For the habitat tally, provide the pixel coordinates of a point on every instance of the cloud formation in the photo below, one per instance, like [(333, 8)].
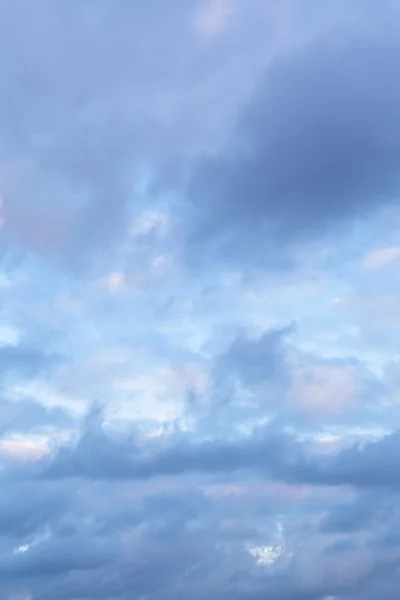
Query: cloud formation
[(199, 322), (316, 147)]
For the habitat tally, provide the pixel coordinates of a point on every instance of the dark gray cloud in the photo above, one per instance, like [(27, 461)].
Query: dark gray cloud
[(165, 557), (26, 508), (58, 557), (318, 146), (371, 464), (369, 508), (164, 536), (101, 454)]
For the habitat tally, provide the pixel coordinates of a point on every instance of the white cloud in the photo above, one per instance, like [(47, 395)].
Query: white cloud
[(23, 449), (266, 555)]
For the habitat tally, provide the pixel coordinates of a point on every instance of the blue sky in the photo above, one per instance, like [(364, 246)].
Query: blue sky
[(199, 282)]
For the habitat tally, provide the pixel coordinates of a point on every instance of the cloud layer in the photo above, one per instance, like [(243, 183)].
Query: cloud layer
[(199, 322)]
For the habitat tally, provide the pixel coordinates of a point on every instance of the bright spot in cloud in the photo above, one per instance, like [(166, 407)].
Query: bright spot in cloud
[(115, 282), (22, 450), (266, 555), (23, 548)]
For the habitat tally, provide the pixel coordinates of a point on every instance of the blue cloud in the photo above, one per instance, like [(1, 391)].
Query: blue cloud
[(199, 243), (315, 149)]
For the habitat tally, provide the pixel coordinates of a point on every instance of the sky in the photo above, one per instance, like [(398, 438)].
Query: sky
[(200, 292)]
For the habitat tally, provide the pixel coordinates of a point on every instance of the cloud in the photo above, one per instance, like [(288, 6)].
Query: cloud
[(99, 453), (323, 389), (22, 450), (314, 150), (373, 464), (106, 109), (213, 16), (257, 359), (25, 360), (26, 508), (185, 188), (200, 530), (382, 257), (359, 514), (265, 376)]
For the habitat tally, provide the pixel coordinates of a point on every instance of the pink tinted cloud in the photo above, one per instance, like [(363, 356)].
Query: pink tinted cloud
[(323, 389)]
